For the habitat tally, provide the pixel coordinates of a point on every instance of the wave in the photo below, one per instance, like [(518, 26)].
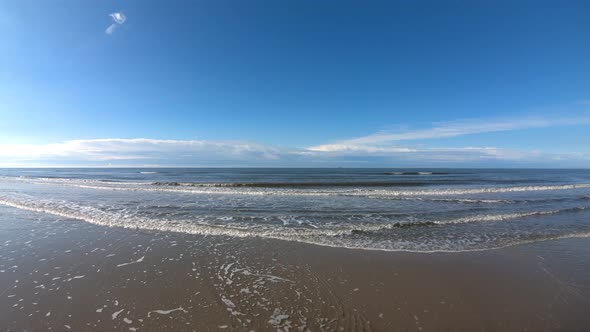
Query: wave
[(374, 193), (291, 188), (415, 173), (343, 235), (66, 181), (471, 219), (488, 201), (291, 184), (510, 216), (483, 190), (302, 188), (449, 200)]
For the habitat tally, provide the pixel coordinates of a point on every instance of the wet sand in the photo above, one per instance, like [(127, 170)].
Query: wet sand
[(70, 275)]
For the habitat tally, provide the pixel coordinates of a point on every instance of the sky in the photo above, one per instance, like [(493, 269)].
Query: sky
[(295, 83)]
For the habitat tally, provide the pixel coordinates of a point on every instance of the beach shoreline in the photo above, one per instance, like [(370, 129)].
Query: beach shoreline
[(67, 274)]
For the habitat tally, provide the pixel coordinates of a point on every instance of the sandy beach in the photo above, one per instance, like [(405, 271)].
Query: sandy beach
[(69, 275)]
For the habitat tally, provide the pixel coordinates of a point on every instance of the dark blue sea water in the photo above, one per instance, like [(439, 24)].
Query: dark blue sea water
[(383, 209)]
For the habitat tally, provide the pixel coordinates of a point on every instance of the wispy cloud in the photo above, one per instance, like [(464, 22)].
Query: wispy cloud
[(136, 150), (407, 148), (448, 129), (445, 154), (142, 152), (118, 19)]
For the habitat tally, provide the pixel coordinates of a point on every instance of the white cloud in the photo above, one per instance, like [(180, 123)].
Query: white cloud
[(118, 19), (359, 148), (444, 154), (136, 149), (389, 144), (142, 151), (449, 129), (402, 149)]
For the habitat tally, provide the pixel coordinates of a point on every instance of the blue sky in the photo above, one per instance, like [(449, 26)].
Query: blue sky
[(295, 83)]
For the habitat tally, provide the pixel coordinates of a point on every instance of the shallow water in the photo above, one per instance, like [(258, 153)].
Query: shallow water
[(381, 209)]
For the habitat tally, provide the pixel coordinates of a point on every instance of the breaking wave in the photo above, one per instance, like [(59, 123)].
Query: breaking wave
[(336, 235), (287, 188)]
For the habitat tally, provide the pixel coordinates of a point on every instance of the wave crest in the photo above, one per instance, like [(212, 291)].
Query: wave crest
[(341, 235)]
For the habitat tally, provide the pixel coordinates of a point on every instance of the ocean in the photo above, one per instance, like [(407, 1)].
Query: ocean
[(423, 210)]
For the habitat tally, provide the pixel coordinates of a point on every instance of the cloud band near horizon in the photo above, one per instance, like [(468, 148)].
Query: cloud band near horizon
[(144, 152), (381, 148)]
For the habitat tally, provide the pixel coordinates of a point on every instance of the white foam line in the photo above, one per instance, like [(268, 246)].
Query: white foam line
[(316, 237), (354, 192), (277, 318), (134, 262), (467, 191), (103, 218), (42, 180), (166, 312), (267, 276), (507, 216), (117, 314), (228, 302), (143, 186)]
